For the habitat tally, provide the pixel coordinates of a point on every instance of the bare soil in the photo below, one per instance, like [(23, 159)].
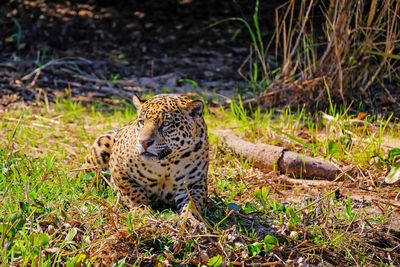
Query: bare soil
[(105, 48)]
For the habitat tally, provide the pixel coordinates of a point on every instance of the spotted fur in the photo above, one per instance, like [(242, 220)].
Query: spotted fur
[(153, 157)]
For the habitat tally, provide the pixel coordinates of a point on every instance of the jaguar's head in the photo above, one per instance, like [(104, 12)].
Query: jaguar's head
[(165, 124)]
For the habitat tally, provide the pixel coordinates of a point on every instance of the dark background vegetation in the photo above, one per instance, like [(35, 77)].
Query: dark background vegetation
[(149, 43), (108, 48)]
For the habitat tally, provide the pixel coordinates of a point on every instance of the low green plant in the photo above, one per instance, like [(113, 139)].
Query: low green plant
[(42, 58), (259, 84), (215, 261), (18, 34), (113, 79)]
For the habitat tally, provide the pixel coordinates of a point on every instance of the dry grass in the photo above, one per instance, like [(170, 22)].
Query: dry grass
[(351, 45)]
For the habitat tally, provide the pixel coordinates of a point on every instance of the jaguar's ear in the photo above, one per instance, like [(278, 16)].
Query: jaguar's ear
[(195, 108), (137, 101)]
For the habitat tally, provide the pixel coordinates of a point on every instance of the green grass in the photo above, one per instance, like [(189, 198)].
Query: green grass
[(52, 214)]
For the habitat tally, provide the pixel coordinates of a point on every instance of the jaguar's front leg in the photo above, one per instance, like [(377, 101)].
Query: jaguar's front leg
[(198, 193), (132, 192)]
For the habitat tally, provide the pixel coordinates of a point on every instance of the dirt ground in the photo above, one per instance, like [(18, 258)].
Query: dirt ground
[(105, 48)]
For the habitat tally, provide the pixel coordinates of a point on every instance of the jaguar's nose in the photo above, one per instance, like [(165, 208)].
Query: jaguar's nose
[(146, 142)]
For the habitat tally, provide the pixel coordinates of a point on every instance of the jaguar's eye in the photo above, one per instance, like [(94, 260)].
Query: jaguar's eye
[(140, 123), (165, 125)]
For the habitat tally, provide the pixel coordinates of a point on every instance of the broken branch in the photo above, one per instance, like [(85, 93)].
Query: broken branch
[(279, 158)]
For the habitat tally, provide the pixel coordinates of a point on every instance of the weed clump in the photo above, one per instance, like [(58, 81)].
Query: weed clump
[(347, 46)]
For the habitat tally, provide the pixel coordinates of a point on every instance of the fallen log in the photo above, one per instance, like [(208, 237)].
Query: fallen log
[(279, 158)]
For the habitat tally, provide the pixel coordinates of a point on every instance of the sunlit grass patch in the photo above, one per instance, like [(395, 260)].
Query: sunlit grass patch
[(53, 214)]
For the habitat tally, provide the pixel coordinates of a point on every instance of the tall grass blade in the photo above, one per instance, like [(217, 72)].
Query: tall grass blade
[(295, 139), (382, 54)]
